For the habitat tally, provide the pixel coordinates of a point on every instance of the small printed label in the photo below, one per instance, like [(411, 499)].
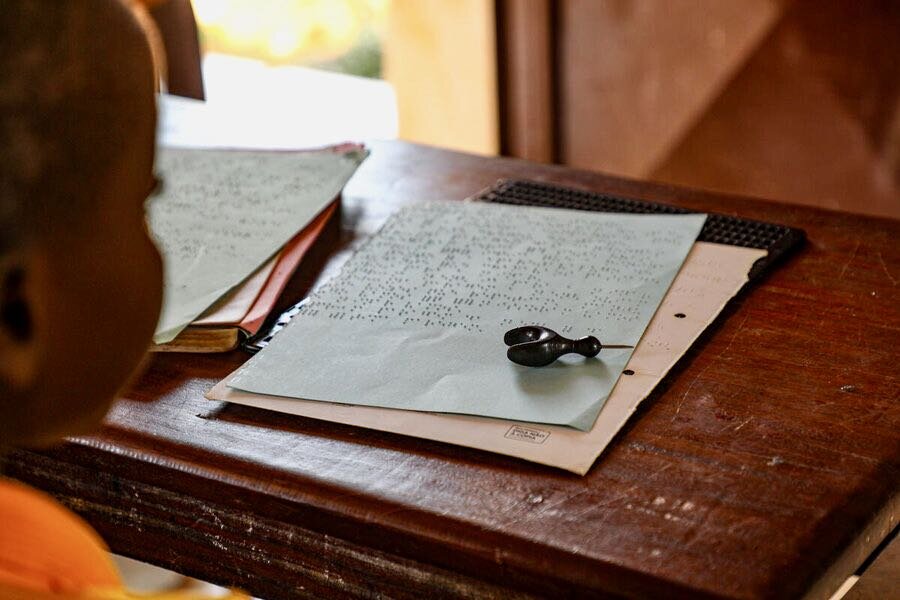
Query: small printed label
[(527, 434)]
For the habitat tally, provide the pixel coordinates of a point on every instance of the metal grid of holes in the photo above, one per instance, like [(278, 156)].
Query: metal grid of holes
[(719, 229)]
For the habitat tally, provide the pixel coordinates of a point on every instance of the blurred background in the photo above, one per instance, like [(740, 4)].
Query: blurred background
[(793, 100), (337, 35)]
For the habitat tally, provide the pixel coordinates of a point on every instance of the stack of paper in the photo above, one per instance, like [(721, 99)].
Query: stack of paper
[(415, 321), (223, 214), (416, 318)]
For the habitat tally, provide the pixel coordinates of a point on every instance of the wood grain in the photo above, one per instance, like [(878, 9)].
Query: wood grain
[(755, 469)]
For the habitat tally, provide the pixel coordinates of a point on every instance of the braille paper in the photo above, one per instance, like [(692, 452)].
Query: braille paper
[(711, 275), (223, 213), (415, 320)]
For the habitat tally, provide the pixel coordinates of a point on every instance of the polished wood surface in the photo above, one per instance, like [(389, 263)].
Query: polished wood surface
[(765, 466)]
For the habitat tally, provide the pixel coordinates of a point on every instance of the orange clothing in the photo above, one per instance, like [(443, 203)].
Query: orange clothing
[(46, 551)]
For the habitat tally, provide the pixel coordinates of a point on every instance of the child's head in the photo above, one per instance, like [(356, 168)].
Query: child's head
[(80, 280)]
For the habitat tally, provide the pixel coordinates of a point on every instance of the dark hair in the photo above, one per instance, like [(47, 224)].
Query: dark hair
[(61, 68)]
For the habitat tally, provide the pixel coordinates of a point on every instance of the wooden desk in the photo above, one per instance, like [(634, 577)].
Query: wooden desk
[(767, 467)]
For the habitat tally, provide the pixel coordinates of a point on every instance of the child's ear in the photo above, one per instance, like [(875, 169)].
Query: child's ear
[(18, 343)]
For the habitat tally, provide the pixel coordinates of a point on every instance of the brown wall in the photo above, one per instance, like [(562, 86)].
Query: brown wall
[(795, 101)]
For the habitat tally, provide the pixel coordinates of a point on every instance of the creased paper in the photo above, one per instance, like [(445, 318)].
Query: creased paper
[(415, 320), (710, 277)]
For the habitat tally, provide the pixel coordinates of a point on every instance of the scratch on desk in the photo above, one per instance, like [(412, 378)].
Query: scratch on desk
[(688, 391), (733, 337), (750, 418), (849, 260), (885, 269), (546, 506), (604, 515)]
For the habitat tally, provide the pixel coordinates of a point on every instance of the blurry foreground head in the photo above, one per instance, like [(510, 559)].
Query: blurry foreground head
[(80, 280)]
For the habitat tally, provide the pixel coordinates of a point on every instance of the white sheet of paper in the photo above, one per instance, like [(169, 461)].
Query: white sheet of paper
[(223, 213), (415, 320), (712, 274)]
